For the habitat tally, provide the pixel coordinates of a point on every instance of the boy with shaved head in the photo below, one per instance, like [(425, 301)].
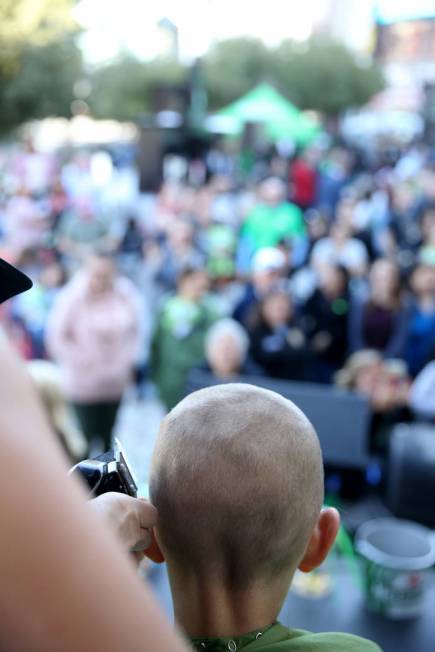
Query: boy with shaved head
[(237, 479)]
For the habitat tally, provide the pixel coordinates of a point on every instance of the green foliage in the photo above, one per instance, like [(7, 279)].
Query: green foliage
[(39, 61), (30, 22), (118, 90), (39, 64), (319, 74), (234, 67), (324, 75), (123, 89), (43, 84)]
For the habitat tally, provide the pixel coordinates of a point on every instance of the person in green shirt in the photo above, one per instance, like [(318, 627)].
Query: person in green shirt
[(271, 221), (178, 341), (237, 479)]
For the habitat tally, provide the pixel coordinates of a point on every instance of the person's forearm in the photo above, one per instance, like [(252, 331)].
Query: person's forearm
[(66, 584)]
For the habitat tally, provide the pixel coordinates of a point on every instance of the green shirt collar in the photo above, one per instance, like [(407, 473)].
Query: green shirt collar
[(272, 633)]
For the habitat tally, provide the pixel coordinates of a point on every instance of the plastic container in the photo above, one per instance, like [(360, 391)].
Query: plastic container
[(397, 556)]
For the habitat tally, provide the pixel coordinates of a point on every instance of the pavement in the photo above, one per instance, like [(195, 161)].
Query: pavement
[(137, 426)]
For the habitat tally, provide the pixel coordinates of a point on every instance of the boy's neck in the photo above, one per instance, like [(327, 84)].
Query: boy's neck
[(208, 609)]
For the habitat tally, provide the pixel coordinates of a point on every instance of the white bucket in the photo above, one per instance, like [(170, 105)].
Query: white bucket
[(397, 555)]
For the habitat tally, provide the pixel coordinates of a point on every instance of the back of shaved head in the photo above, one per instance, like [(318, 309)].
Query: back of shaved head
[(237, 478)]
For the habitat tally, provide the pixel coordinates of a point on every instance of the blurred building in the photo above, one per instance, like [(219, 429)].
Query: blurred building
[(349, 21), (400, 33), (405, 44)]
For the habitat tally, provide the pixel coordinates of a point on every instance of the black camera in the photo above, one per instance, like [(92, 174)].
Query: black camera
[(108, 472)]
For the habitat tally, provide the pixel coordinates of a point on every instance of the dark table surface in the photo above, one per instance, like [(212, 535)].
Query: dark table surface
[(343, 611)]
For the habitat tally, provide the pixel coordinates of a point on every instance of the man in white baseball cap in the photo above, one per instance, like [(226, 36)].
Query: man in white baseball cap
[(268, 259), (268, 266)]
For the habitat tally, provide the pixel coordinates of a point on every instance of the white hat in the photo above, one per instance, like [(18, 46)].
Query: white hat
[(268, 259)]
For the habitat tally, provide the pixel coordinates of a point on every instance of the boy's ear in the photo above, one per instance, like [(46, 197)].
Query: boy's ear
[(153, 552), (321, 540)]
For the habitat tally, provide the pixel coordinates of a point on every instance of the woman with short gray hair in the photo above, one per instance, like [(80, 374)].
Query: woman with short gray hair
[(226, 348)]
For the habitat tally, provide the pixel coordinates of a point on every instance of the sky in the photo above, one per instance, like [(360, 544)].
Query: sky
[(389, 11), (111, 26), (132, 24)]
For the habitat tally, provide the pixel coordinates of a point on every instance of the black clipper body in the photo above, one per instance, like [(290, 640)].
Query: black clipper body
[(108, 472)]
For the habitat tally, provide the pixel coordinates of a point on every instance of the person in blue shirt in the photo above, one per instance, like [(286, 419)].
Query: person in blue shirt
[(421, 326)]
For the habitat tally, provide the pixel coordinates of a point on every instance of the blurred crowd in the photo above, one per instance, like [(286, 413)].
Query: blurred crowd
[(319, 267)]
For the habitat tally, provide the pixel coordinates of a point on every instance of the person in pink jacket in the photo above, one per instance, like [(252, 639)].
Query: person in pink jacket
[(94, 335)]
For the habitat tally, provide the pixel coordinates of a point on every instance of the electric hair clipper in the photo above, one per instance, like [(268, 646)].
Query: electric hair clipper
[(108, 472)]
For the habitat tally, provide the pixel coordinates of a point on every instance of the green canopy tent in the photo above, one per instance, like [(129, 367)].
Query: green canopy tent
[(281, 119)]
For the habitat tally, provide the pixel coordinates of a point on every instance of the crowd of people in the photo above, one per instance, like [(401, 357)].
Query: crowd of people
[(319, 268)]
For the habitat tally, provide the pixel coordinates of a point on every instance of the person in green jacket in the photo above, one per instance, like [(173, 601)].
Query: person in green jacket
[(237, 479), (178, 341)]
